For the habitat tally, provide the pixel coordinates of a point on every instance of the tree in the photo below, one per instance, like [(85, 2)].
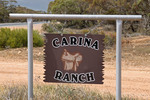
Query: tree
[(143, 7), (111, 7), (6, 7), (10, 6), (67, 7), (71, 7)]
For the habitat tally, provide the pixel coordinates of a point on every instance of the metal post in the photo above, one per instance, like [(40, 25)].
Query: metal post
[(118, 59), (30, 58)]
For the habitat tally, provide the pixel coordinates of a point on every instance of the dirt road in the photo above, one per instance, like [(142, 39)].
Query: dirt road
[(35, 27), (135, 81)]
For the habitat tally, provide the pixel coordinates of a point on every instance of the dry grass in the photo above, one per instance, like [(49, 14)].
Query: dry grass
[(54, 92)]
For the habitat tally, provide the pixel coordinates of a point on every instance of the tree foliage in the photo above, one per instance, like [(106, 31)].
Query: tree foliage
[(71, 7), (117, 7), (17, 38), (10, 6), (6, 7)]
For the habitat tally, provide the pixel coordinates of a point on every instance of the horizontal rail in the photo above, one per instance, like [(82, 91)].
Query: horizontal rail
[(75, 17)]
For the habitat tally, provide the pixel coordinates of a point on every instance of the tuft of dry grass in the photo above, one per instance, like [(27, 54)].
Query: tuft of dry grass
[(54, 92)]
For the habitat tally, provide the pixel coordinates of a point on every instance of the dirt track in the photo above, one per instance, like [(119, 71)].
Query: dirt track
[(135, 81), (35, 27)]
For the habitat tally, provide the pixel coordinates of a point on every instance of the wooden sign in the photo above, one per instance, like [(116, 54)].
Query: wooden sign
[(74, 58)]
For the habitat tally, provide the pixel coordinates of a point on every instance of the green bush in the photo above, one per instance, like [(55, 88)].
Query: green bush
[(18, 38), (4, 35), (53, 27)]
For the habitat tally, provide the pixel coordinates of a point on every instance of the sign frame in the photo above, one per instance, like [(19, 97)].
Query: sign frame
[(118, 18)]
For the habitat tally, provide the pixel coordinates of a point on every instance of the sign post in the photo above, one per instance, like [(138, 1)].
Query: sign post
[(118, 19), (30, 58), (118, 59)]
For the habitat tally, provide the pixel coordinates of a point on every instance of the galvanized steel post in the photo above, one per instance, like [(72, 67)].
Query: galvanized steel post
[(30, 58), (118, 59)]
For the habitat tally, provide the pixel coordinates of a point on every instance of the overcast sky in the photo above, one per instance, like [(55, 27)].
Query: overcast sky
[(35, 4)]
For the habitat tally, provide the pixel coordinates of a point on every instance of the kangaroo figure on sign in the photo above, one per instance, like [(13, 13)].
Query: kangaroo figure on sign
[(71, 61)]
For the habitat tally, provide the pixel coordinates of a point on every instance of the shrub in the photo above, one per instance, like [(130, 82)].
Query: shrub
[(110, 39), (78, 24), (53, 27), (47, 28), (18, 38), (4, 35), (38, 40), (109, 28), (85, 31)]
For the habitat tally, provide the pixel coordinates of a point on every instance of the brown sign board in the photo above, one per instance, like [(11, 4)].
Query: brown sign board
[(74, 58)]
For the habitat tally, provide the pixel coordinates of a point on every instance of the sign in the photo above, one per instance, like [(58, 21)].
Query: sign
[(74, 58)]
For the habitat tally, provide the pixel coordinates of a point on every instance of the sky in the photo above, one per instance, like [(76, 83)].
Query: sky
[(34, 4)]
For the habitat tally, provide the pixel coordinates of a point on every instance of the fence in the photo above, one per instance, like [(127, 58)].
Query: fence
[(118, 18)]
